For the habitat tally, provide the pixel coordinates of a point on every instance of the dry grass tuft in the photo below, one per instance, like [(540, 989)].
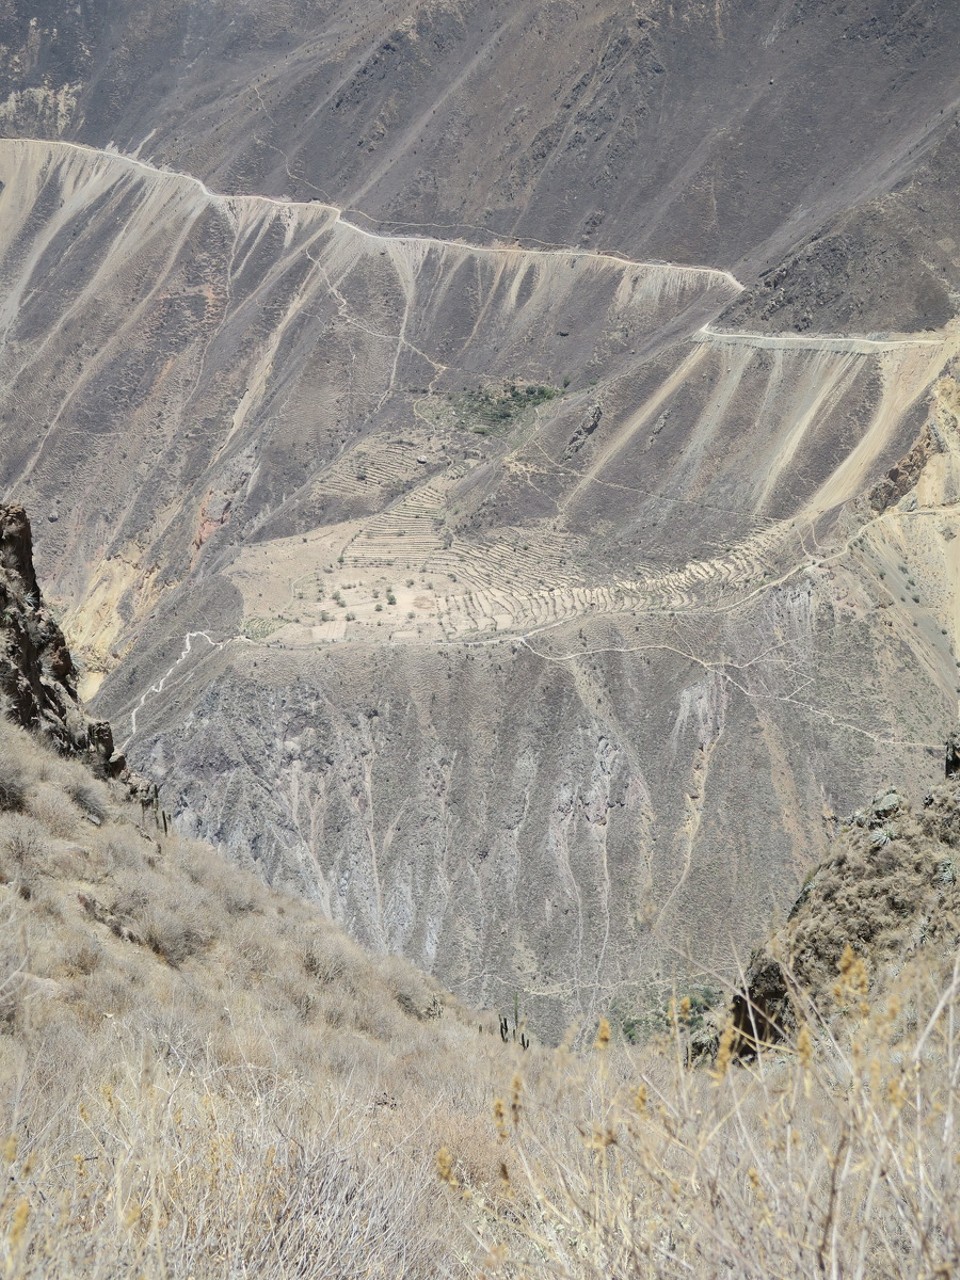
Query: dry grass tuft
[(831, 1155)]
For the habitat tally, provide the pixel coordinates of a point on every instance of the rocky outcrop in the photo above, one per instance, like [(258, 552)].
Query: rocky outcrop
[(38, 680), (886, 894), (584, 431), (904, 474)]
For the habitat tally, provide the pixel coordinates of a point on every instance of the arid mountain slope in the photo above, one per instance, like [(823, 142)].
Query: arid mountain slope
[(526, 600), (702, 132), (182, 1031), (162, 1010), (524, 678)]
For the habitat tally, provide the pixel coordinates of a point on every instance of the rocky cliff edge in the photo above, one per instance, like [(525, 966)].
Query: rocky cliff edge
[(38, 680), (886, 897)]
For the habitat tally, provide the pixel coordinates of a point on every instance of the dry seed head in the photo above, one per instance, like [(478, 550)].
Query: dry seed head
[(495, 1259), (10, 1149), (599, 1139), (805, 1047), (685, 1009), (640, 1099), (854, 980), (724, 1051), (500, 1117), (516, 1089), (896, 1094), (876, 1075), (19, 1225), (805, 1054), (445, 1167)]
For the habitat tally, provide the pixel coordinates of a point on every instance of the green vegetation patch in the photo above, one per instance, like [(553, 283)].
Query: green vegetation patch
[(258, 627), (687, 1008), (495, 409)]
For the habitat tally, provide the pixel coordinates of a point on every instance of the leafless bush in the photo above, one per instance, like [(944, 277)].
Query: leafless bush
[(413, 991), (23, 847), (53, 809), (118, 848), (13, 778), (90, 795), (174, 935), (328, 958), (82, 955), (256, 951)]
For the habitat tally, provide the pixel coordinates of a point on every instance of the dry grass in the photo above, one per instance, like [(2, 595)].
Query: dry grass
[(834, 1155), (201, 1077)]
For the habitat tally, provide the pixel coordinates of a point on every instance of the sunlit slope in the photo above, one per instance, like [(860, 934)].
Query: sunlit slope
[(704, 132), (206, 365), (505, 600)]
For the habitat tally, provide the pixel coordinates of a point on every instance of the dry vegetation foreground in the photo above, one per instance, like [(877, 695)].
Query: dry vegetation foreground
[(201, 1077)]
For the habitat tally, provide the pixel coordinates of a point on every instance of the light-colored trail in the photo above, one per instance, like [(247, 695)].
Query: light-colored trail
[(867, 344), (158, 688), (842, 344)]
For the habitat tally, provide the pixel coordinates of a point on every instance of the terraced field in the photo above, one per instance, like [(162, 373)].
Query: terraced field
[(508, 582)]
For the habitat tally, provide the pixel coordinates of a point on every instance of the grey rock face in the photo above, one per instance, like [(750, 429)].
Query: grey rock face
[(886, 909)]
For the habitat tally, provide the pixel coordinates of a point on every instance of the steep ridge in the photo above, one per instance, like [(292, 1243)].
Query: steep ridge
[(163, 1011), (700, 132), (505, 601)]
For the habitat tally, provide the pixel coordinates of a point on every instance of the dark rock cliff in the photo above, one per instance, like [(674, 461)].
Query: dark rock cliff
[(887, 896), (37, 675)]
